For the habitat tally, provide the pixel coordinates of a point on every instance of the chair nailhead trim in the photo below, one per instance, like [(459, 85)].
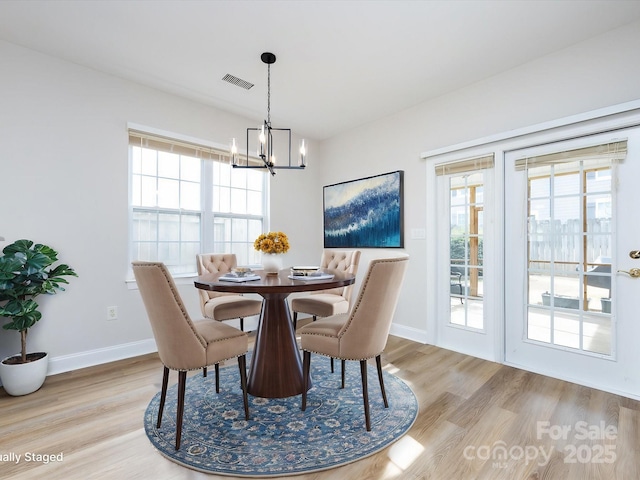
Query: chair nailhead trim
[(340, 358), (200, 368)]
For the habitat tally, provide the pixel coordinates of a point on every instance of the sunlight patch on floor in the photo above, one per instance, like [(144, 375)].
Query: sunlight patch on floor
[(404, 452)]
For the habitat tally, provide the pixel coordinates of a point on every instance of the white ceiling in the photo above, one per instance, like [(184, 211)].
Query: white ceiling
[(339, 64)]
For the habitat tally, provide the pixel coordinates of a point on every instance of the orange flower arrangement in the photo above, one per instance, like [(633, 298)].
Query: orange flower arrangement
[(272, 242)]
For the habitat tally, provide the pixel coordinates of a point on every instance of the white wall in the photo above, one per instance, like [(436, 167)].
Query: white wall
[(590, 75), (64, 173), (63, 165)]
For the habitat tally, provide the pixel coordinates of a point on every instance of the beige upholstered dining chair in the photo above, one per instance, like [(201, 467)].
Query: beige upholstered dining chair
[(325, 303), (185, 345), (362, 334), (223, 306)]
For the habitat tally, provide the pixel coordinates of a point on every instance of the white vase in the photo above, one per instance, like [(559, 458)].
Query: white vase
[(24, 378), (272, 263)]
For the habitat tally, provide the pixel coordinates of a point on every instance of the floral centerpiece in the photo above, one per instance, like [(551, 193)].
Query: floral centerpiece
[(273, 244)]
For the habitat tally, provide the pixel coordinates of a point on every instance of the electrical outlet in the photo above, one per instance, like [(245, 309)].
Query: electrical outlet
[(112, 313), (418, 233)]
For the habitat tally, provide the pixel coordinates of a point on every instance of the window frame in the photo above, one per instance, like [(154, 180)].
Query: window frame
[(205, 213)]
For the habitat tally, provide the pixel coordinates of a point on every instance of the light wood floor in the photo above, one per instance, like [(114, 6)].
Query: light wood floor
[(468, 409)]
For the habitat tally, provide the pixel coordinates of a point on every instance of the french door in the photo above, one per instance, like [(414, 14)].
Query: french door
[(465, 270), (571, 226)]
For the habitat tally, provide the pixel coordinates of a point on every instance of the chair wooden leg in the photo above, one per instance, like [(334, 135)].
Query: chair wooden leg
[(342, 365), (204, 371), (306, 366), (217, 378), (242, 324), (295, 321), (182, 383), (365, 393), (242, 364), (163, 395), (384, 393), (331, 364)]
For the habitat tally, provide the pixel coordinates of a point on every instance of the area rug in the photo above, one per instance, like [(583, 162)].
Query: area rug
[(280, 439)]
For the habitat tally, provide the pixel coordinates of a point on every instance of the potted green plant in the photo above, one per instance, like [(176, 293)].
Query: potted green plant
[(26, 271)]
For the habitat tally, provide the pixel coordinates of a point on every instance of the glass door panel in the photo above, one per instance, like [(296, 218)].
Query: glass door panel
[(466, 193), (569, 257)]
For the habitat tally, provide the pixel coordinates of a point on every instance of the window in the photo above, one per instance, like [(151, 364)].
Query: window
[(187, 199)]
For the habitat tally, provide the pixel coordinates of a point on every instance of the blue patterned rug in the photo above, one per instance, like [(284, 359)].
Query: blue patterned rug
[(280, 439)]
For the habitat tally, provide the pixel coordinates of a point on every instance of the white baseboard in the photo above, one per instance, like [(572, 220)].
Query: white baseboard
[(409, 333), (90, 358), (67, 363)]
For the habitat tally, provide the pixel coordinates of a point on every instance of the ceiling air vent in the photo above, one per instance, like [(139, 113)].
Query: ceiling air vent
[(237, 81)]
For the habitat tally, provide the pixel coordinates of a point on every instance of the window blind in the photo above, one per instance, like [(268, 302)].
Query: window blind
[(466, 165), (614, 151), (171, 145), (163, 144)]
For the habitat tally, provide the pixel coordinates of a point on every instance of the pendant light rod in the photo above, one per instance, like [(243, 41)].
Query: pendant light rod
[(268, 58)]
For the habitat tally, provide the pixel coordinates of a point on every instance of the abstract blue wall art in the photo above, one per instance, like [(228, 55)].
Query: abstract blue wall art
[(366, 213)]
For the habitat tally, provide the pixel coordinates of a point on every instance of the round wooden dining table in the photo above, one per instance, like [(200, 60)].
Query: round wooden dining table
[(276, 366)]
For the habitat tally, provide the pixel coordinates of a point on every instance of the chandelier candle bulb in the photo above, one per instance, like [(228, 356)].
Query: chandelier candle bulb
[(303, 154), (234, 152), (261, 141)]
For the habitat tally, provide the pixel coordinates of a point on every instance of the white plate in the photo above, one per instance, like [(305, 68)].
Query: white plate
[(245, 278), (311, 278)]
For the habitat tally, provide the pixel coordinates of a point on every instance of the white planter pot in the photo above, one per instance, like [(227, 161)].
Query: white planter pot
[(272, 263), (24, 378)]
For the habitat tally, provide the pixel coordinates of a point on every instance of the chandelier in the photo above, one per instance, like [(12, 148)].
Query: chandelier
[(263, 137)]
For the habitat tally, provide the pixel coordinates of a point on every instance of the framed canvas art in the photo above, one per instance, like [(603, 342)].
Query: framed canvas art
[(366, 213)]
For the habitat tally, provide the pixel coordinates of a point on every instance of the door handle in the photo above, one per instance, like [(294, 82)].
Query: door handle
[(633, 272)]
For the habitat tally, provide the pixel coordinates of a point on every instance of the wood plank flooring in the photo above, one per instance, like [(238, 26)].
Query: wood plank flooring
[(478, 420)]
